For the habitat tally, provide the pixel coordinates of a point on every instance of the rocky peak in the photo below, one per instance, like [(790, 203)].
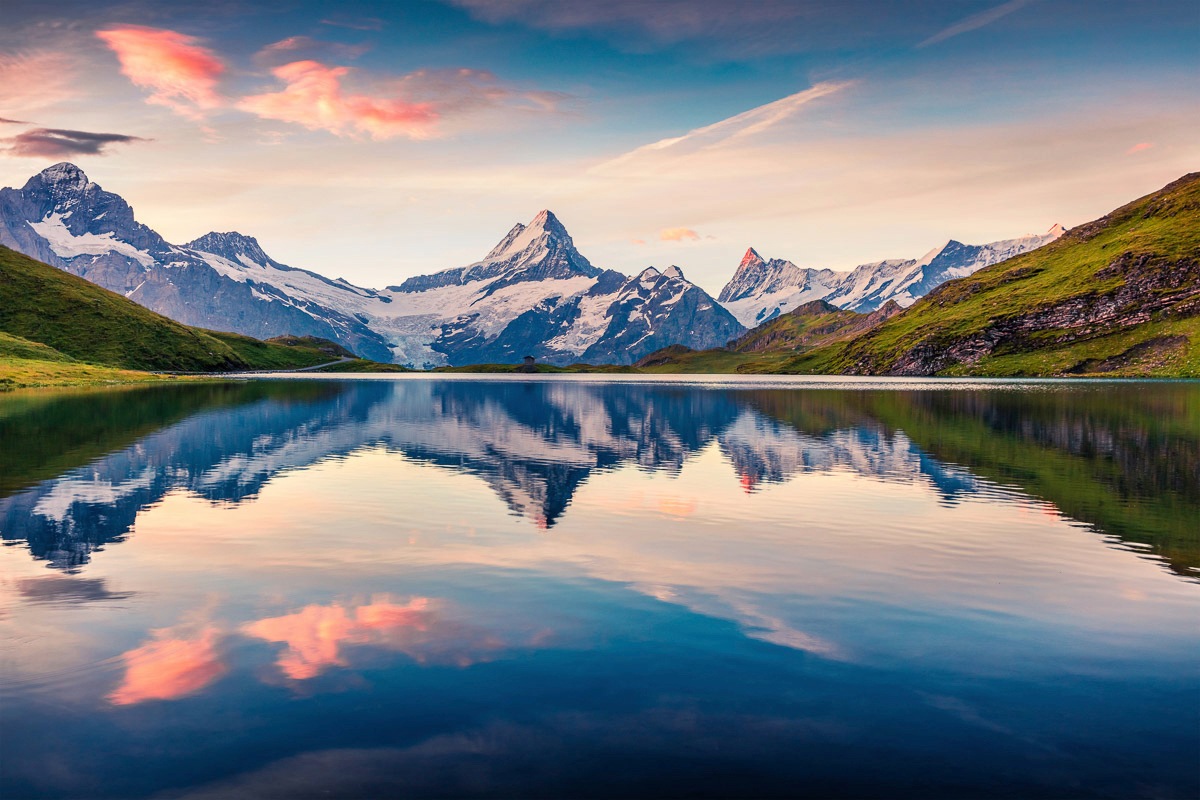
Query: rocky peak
[(545, 229), (230, 245), (60, 187), (502, 246), (543, 248), (673, 272), (755, 276), (546, 222), (63, 175), (751, 259)]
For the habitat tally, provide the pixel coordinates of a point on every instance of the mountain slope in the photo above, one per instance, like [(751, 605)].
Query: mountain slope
[(81, 321), (813, 324), (1119, 295)]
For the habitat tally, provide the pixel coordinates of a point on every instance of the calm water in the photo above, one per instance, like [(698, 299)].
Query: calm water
[(420, 587)]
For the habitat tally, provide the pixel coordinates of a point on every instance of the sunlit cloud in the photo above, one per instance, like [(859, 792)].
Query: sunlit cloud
[(169, 667), (976, 21), (62, 143), (678, 235), (1139, 147), (317, 96), (35, 80), (313, 97), (179, 73)]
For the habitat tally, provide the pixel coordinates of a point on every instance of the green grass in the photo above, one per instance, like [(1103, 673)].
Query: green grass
[(14, 347), (29, 373), (808, 326), (51, 315), (1088, 357), (364, 365), (716, 362)]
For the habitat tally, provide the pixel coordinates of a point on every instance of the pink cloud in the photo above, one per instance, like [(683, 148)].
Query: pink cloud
[(315, 635), (313, 97), (179, 73), (169, 667), (1139, 147), (677, 234), (638, 242)]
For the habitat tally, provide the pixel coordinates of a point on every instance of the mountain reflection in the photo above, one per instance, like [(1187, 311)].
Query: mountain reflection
[(1125, 460)]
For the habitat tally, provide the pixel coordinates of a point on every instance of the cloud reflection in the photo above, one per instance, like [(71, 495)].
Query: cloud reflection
[(169, 667), (316, 636)]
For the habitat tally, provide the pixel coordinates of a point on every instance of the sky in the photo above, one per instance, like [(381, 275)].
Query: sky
[(375, 141)]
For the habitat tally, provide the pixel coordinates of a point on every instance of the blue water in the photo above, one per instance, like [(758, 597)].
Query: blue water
[(549, 588)]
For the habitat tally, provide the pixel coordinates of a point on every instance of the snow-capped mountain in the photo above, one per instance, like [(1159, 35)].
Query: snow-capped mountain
[(62, 218), (761, 290), (535, 294), (532, 294)]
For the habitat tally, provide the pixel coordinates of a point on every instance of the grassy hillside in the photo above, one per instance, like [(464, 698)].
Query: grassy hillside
[(12, 347), (810, 325), (1117, 296), (53, 316)]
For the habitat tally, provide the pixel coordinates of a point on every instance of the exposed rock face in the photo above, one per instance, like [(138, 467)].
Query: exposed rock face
[(1151, 287), (657, 309)]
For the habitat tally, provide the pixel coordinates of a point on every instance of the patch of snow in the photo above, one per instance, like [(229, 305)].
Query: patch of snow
[(65, 244)]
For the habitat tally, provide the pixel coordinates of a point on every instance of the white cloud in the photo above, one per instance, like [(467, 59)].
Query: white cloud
[(975, 21), (740, 126)]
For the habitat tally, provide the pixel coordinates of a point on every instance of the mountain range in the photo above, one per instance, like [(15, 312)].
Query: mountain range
[(761, 290), (1118, 296), (533, 294)]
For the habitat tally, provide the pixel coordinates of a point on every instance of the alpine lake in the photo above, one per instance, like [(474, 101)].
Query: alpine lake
[(516, 586)]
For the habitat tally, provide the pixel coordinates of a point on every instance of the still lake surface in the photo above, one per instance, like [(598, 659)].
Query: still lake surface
[(581, 587)]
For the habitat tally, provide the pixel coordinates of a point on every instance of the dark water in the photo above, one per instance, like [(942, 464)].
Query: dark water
[(577, 588)]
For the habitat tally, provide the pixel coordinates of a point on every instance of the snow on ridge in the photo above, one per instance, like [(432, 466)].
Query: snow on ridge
[(65, 244)]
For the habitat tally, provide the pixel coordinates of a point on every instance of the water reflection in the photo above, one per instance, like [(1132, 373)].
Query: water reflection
[(502, 588), (1124, 458)]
